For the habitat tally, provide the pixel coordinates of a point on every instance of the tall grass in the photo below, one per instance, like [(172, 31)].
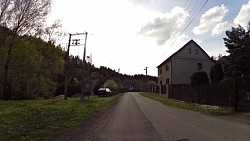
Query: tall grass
[(41, 119)]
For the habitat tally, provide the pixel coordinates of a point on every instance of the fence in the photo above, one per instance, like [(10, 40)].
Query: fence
[(243, 97), (219, 94), (222, 94)]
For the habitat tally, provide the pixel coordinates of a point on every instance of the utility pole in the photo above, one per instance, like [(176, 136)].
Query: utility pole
[(84, 64), (75, 42), (146, 68), (66, 70), (118, 81)]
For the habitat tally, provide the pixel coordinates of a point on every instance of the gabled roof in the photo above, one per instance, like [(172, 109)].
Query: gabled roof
[(181, 49)]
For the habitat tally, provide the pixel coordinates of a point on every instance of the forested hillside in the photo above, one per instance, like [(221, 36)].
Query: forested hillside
[(36, 70), (35, 66)]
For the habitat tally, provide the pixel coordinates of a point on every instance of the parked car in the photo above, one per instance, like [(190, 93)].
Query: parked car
[(104, 92)]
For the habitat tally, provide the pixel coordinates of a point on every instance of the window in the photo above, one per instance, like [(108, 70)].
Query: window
[(199, 66), (189, 50), (167, 67), (160, 82), (160, 71), (196, 51), (167, 81)]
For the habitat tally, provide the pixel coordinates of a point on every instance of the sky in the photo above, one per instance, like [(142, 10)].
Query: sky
[(129, 35)]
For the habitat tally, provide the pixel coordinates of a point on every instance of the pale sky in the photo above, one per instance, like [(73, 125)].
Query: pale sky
[(133, 34)]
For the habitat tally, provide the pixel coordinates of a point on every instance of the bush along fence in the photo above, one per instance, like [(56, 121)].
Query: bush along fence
[(223, 94)]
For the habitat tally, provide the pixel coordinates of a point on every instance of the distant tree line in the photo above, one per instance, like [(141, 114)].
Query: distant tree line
[(102, 77)]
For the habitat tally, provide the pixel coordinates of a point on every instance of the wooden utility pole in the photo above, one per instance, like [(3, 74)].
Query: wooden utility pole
[(75, 42), (84, 64), (66, 69), (146, 68)]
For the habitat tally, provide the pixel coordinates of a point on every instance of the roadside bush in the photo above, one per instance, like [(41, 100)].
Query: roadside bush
[(199, 78)]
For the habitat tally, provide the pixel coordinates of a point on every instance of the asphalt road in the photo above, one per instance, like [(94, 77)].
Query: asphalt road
[(136, 118)]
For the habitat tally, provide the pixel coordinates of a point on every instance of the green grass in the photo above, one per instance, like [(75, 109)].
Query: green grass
[(41, 119), (204, 109)]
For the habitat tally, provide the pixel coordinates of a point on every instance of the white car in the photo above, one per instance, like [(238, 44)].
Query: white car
[(104, 92)]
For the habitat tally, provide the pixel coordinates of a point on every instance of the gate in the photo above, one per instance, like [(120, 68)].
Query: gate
[(244, 93)]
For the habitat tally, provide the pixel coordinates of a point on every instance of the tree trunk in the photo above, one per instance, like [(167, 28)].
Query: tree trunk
[(6, 84)]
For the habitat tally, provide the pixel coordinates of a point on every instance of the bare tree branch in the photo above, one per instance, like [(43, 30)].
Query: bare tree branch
[(4, 4), (26, 15)]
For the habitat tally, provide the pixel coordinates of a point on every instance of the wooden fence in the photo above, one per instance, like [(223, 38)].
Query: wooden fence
[(222, 94), (226, 94)]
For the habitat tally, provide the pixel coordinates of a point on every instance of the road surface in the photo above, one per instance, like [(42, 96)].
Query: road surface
[(136, 118)]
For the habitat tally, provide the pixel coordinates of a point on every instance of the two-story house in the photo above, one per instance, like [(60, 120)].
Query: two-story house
[(178, 68)]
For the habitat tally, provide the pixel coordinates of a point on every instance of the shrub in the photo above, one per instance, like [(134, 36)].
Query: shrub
[(199, 78)]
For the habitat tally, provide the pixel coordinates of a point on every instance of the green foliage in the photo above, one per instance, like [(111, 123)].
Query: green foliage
[(238, 44), (42, 119), (36, 69), (199, 78), (112, 84), (33, 68), (216, 73)]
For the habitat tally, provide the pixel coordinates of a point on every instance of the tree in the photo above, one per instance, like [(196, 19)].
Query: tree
[(35, 68), (238, 44), (52, 33), (199, 78), (112, 84), (4, 4), (21, 17), (216, 73)]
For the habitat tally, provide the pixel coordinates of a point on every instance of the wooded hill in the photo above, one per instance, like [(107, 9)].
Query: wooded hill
[(36, 70)]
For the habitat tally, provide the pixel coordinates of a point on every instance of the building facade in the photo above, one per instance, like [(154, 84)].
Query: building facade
[(178, 68)]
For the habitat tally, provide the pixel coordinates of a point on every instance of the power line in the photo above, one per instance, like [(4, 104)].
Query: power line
[(189, 4), (194, 17), (196, 3), (175, 25), (189, 23), (192, 12)]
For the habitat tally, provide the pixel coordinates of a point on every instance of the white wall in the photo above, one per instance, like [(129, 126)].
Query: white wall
[(184, 64), (184, 68)]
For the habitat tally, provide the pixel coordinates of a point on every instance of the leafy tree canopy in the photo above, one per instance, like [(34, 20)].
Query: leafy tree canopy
[(238, 44)]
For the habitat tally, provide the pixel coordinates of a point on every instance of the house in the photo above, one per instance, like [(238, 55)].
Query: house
[(178, 68)]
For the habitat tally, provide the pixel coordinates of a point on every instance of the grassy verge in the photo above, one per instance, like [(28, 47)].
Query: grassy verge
[(204, 109), (41, 119)]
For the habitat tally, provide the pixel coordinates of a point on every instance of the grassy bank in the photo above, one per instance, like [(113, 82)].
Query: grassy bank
[(41, 119), (204, 109)]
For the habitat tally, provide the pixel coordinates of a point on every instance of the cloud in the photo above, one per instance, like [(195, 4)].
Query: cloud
[(221, 27), (157, 5), (243, 16), (212, 20), (162, 27)]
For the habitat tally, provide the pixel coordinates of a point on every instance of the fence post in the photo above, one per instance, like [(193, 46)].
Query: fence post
[(236, 94)]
